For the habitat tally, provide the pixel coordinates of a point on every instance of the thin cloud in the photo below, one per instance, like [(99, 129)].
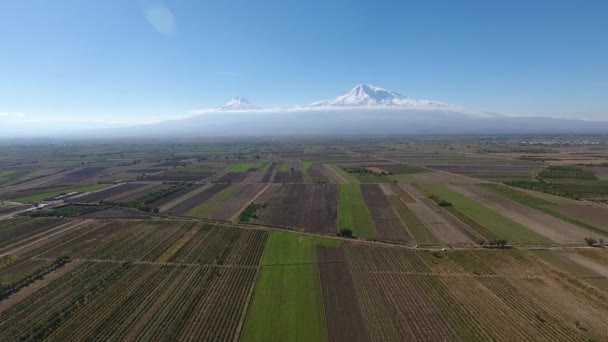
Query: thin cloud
[(12, 115), (161, 19)]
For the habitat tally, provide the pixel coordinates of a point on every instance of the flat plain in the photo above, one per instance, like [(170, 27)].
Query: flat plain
[(453, 239)]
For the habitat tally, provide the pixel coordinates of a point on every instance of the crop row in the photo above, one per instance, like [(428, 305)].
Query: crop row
[(223, 245), (141, 241), (14, 230), (547, 322), (397, 310), (48, 308), (121, 301), (56, 242), (13, 287)]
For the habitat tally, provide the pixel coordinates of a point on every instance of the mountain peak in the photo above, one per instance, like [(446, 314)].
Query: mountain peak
[(238, 103), (365, 95)]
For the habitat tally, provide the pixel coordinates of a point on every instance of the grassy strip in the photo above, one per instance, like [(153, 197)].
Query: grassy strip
[(41, 196), (206, 207), (353, 213), (285, 248), (540, 205), (282, 166), (471, 223), (287, 303), (494, 223), (243, 167), (344, 174), (419, 231), (265, 167), (305, 166)]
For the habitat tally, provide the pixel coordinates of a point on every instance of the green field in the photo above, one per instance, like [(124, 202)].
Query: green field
[(353, 212), (282, 166), (305, 166), (206, 207), (538, 204), (496, 225), (287, 303), (41, 196), (265, 166)]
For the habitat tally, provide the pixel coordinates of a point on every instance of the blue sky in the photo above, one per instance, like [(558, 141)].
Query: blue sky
[(117, 60)]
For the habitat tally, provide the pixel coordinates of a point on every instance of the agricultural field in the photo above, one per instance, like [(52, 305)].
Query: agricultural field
[(386, 222), (46, 195), (313, 207), (487, 221), (353, 212), (451, 239)]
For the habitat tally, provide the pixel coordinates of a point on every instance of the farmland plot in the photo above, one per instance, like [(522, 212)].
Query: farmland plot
[(317, 174), (288, 177), (181, 175), (13, 232), (36, 183), (232, 177), (223, 245), (287, 304), (139, 240), (149, 302), (310, 206), (411, 295), (174, 196), (215, 203), (593, 215), (194, 201), (492, 170), (80, 175), (555, 229), (110, 193), (449, 231), (342, 312), (386, 222), (487, 222), (137, 193), (228, 206), (353, 212), (268, 176)]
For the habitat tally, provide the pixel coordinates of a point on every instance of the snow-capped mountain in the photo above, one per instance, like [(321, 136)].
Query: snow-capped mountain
[(239, 103), (364, 95)]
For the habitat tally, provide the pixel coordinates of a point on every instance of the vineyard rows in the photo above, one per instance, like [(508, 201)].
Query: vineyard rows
[(221, 245), (471, 296)]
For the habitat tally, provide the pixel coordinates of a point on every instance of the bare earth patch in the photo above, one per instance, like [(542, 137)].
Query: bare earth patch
[(434, 218)]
